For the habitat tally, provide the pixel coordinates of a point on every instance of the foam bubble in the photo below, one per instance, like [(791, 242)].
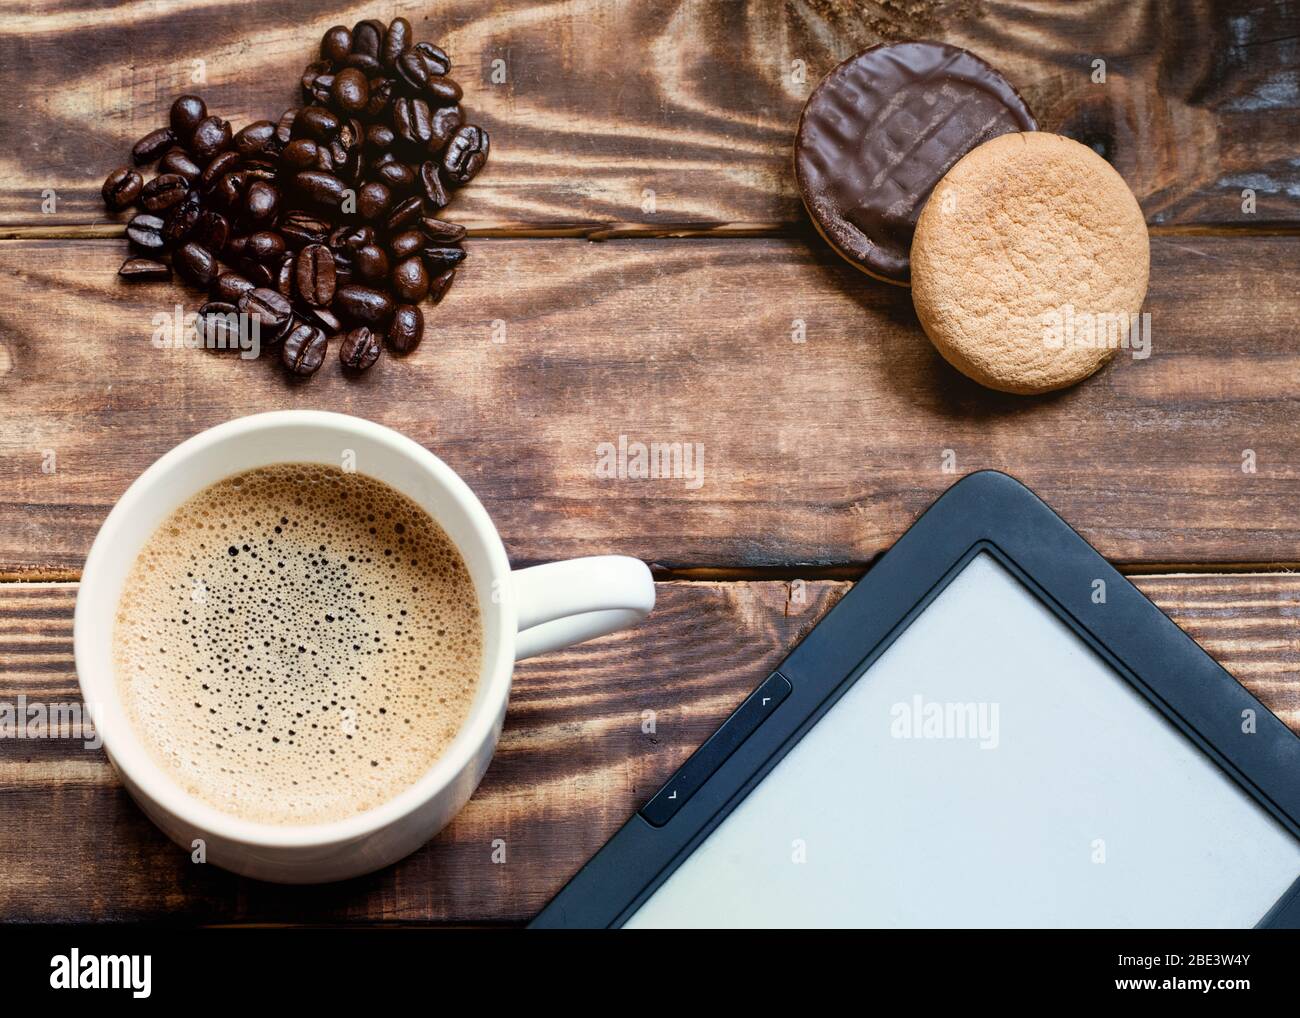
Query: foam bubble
[(297, 644)]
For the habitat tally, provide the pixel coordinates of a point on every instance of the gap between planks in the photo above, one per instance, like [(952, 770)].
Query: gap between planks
[(741, 574), (638, 231)]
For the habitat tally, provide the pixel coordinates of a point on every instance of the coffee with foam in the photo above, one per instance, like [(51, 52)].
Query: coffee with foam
[(298, 644)]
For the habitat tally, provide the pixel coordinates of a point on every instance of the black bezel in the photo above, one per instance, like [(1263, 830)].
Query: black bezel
[(985, 511)]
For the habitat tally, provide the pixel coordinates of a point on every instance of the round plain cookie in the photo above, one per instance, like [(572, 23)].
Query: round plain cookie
[(1028, 262), (880, 130)]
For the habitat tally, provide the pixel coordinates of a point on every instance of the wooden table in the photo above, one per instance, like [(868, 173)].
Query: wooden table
[(641, 266)]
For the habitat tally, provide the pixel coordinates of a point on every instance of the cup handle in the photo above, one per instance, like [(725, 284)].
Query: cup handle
[(562, 603)]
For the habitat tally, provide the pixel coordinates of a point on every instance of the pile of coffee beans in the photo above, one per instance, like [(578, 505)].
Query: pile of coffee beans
[(323, 226)]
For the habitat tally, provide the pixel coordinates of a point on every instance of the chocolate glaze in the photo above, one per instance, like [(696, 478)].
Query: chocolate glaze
[(881, 130)]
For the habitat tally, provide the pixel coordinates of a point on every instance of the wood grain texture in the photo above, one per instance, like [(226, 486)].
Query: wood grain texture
[(815, 454), (695, 101), (572, 765), (573, 762)]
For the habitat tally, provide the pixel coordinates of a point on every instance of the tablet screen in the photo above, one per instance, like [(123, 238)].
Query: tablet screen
[(989, 769)]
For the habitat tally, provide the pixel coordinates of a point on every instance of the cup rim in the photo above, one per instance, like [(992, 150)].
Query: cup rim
[(126, 749)]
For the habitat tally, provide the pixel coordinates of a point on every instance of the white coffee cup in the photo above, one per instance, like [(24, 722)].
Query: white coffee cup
[(524, 612)]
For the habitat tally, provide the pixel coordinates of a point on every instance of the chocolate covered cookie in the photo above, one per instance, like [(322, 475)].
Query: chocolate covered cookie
[(880, 131)]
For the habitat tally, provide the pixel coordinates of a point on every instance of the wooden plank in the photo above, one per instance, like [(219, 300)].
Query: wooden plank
[(573, 762), (815, 454), (603, 102)]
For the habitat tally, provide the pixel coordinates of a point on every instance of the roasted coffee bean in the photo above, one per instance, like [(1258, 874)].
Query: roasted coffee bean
[(443, 91), (410, 281), (145, 231), (196, 263), (181, 218), (230, 190), (438, 61), (284, 128), (267, 161), (270, 307), (212, 230), (122, 188), (373, 200), (257, 137), (370, 263), (284, 275), (299, 229), (236, 246), (265, 246), (346, 165), (444, 124), (466, 153), (218, 325), (263, 166), (325, 318), (262, 203), (405, 214), (230, 286), (440, 258), (299, 154), (336, 44), (315, 122), (379, 138), (352, 134), (395, 42), (342, 255), (144, 269), (323, 189), (321, 90), (258, 274), (412, 120), (309, 75), (163, 192), (363, 62), (363, 304), (351, 238), (431, 182), (314, 274), (441, 230), (396, 174), (324, 161), (177, 160), (413, 71), (304, 349), (381, 94), (320, 228), (258, 169), (345, 150), (222, 164), (439, 285), (187, 111), (350, 91), (366, 39), (152, 145), (211, 135), (407, 243), (406, 329), (359, 350)]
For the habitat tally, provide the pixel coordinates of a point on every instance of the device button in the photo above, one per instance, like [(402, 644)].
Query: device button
[(756, 709)]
